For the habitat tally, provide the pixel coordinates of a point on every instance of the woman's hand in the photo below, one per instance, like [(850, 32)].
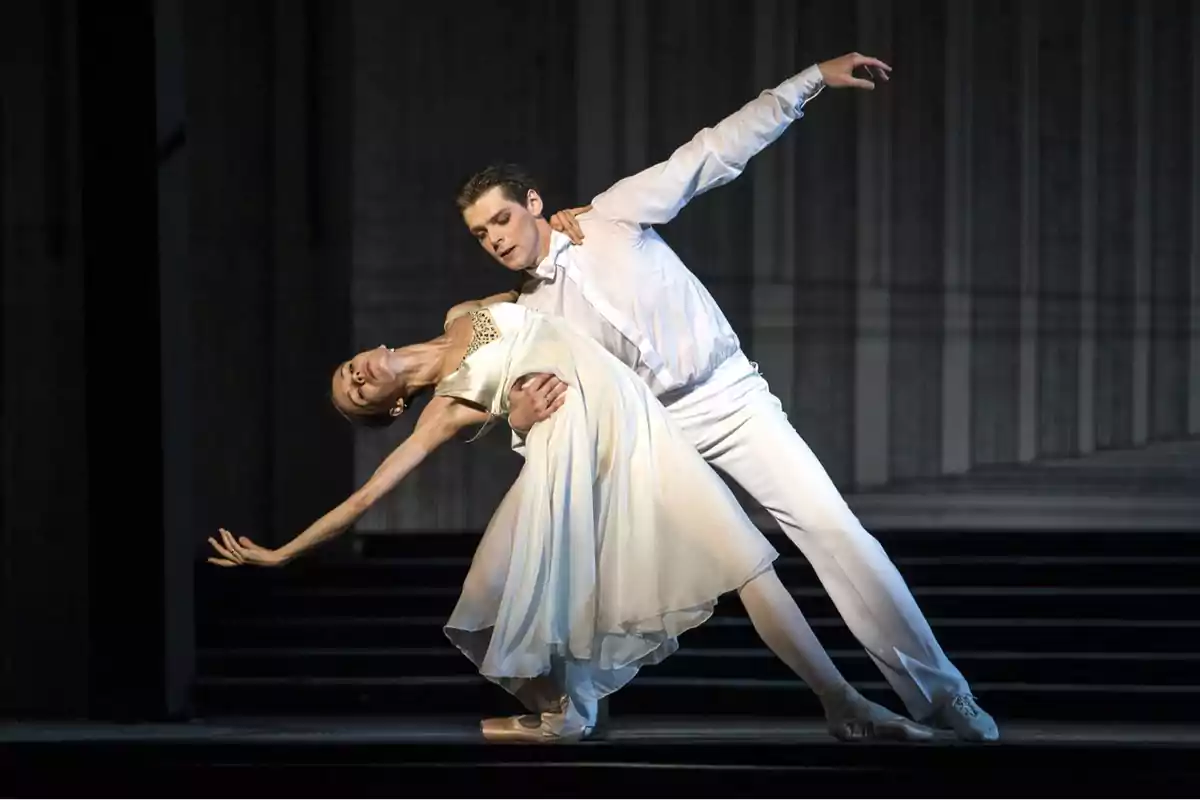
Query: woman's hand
[(564, 222), (242, 552), (440, 420)]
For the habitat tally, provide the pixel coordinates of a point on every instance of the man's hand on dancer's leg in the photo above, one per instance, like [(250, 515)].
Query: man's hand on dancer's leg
[(534, 400), (839, 72)]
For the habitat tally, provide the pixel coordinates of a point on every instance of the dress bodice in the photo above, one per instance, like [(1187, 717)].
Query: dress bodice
[(482, 375)]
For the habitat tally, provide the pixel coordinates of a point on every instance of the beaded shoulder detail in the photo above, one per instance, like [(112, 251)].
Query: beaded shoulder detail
[(483, 331)]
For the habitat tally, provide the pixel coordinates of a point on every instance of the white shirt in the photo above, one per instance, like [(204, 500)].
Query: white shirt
[(625, 287)]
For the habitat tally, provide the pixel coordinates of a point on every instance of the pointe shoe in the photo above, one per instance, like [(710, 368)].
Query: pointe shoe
[(854, 718), (526, 729)]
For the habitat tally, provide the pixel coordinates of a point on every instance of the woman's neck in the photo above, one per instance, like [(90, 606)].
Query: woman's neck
[(422, 365)]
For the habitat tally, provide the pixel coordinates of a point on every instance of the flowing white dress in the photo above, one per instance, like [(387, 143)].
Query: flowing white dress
[(616, 537)]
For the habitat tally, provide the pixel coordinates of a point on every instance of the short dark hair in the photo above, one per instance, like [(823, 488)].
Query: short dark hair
[(514, 181), (375, 419)]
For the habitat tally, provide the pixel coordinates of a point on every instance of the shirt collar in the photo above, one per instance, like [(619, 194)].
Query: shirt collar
[(547, 268)]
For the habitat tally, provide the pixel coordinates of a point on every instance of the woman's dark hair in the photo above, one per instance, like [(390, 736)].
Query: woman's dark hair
[(378, 419)]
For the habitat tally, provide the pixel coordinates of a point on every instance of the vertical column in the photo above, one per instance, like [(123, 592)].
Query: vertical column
[(773, 296), (956, 280), (177, 327), (296, 314), (1089, 190), (1194, 310), (310, 319), (1027, 389), (596, 34), (635, 87), (783, 356), (786, 146), (1142, 220), (126, 585), (873, 324), (44, 439), (766, 181)]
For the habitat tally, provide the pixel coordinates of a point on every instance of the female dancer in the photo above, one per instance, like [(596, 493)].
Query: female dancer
[(615, 539)]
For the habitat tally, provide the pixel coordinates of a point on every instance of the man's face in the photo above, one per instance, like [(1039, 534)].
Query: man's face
[(506, 229)]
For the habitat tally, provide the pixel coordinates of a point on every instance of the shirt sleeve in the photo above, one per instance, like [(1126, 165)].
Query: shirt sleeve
[(714, 156)]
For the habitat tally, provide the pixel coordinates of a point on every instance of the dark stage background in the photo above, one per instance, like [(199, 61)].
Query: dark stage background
[(993, 260)]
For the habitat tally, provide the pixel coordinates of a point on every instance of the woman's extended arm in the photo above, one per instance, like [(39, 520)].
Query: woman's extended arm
[(442, 418)]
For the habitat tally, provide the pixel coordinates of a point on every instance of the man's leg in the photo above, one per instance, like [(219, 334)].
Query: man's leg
[(750, 439)]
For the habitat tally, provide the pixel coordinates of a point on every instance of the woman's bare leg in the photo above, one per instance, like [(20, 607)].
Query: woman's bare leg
[(782, 627)]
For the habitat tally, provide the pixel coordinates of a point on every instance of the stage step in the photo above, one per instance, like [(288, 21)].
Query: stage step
[(1087, 602), (649, 694), (1056, 571), (719, 663), (955, 634), (1064, 626)]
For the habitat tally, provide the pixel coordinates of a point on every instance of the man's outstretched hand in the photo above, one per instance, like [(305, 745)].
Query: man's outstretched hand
[(533, 400), (839, 72)]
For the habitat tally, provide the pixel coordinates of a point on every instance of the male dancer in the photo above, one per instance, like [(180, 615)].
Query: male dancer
[(626, 288)]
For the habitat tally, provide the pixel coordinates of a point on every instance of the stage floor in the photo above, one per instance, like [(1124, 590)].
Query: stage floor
[(703, 756), (621, 732)]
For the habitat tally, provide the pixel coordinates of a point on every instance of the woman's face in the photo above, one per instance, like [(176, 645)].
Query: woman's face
[(367, 384)]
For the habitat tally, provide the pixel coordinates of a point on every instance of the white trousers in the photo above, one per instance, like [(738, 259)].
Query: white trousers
[(740, 428)]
